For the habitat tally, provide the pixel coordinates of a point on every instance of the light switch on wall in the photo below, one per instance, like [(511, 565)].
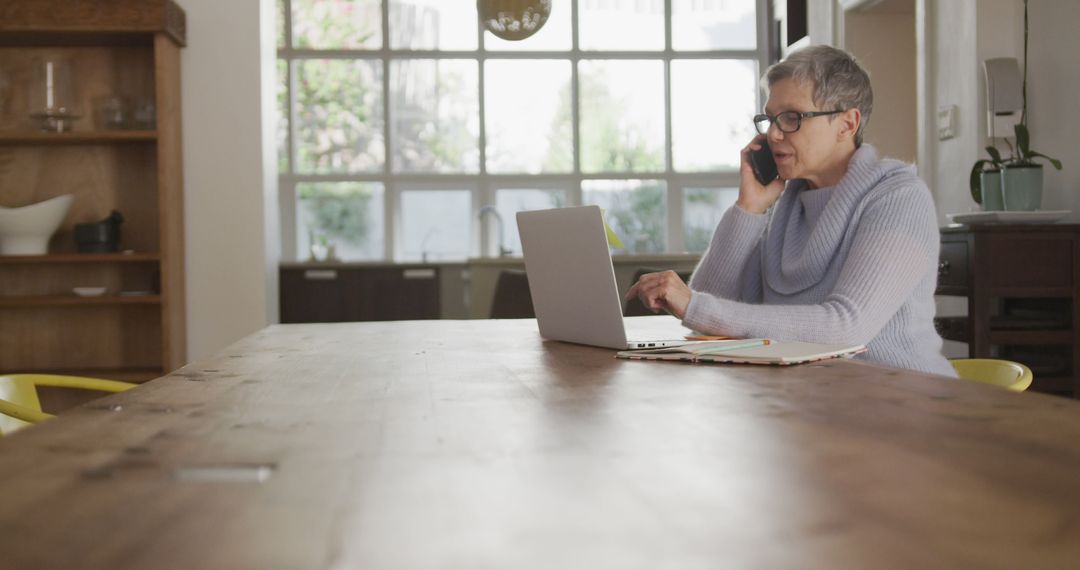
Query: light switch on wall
[(946, 122)]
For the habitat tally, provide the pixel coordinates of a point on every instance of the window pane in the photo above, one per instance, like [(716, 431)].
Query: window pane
[(510, 201), (337, 24), (622, 116), (436, 224), (635, 209), (435, 110), (280, 15), (339, 115), (554, 36), (621, 25), (433, 24), (348, 215), (713, 24), (528, 116), (713, 103), (702, 210), (283, 115)]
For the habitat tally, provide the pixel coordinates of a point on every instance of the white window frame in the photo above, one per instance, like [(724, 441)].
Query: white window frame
[(482, 183)]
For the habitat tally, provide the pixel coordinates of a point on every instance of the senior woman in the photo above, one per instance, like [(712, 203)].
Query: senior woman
[(841, 248)]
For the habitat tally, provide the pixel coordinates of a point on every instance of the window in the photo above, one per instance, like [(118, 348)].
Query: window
[(400, 120)]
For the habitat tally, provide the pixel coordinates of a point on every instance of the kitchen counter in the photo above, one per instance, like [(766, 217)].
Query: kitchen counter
[(466, 287)]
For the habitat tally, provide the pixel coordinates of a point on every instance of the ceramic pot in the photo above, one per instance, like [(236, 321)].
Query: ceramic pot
[(26, 230), (1021, 187), (99, 237), (991, 191)]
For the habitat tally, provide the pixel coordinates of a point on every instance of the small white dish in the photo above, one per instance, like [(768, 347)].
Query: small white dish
[(89, 291), (1035, 217)]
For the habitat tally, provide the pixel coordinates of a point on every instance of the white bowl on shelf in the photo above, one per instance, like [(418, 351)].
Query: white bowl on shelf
[(89, 291), (26, 230)]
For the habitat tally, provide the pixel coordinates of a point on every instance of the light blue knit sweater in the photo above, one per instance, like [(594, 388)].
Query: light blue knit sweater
[(854, 263)]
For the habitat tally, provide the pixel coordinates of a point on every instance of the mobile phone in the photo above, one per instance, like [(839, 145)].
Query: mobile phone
[(763, 164)]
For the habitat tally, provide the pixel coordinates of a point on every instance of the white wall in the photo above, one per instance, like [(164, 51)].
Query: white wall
[(953, 75), (966, 32), (884, 44), (955, 36), (1053, 89), (229, 286)]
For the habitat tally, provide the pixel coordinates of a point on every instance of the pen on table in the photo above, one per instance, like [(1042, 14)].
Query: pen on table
[(750, 343)]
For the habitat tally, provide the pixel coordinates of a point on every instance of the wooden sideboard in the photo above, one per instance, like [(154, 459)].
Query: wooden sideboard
[(1022, 284), (341, 292)]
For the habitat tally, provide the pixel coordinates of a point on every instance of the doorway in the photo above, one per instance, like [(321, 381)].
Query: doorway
[(881, 35)]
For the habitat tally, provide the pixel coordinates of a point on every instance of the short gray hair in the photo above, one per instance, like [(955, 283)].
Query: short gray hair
[(839, 83)]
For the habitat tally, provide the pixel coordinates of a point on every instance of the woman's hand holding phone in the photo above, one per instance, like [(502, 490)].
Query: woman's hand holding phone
[(757, 196)]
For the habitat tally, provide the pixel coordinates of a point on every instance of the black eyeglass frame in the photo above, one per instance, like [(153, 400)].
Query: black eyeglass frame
[(799, 116)]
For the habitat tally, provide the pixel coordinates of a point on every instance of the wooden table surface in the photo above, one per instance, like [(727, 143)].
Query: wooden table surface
[(472, 444)]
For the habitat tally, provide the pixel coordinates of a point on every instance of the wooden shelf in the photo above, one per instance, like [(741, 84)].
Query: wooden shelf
[(76, 138), (73, 300), (81, 258)]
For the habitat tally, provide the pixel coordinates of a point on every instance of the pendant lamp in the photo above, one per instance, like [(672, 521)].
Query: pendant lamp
[(513, 20)]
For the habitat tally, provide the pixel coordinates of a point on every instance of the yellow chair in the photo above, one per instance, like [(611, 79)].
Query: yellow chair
[(1004, 373), (19, 403)]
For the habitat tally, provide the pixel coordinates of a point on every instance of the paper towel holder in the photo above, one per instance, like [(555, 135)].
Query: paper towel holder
[(1004, 96)]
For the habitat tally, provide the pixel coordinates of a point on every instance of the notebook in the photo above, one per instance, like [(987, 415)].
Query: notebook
[(749, 351), (572, 282)]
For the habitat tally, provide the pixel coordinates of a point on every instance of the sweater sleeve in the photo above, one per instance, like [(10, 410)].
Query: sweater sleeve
[(895, 245), (734, 253)]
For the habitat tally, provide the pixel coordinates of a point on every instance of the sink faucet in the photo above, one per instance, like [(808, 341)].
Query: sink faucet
[(490, 209), (423, 244)]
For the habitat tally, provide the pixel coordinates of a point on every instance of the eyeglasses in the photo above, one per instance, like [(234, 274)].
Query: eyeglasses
[(788, 121)]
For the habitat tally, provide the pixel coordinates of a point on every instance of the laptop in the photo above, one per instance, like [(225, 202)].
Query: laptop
[(572, 282)]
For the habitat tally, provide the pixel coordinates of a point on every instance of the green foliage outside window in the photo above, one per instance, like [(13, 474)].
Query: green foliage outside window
[(339, 116), (324, 24), (337, 211), (637, 216), (339, 130), (606, 146), (697, 237)]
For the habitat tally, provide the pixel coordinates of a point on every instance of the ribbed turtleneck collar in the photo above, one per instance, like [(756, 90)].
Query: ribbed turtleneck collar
[(808, 226), (814, 202)]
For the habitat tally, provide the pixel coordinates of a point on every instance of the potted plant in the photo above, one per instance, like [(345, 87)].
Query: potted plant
[(1020, 177), (985, 181)]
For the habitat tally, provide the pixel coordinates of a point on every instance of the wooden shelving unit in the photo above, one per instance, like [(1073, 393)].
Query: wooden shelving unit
[(76, 138), (80, 258), (117, 48), (75, 300)]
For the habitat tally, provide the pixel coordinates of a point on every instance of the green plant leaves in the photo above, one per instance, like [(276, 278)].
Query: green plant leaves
[(975, 180), (1054, 161), (1024, 155), (1023, 141), (995, 155)]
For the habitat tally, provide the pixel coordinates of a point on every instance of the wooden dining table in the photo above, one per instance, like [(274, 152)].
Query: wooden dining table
[(477, 444)]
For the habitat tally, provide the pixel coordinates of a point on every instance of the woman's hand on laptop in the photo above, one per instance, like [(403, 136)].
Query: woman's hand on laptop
[(662, 291)]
